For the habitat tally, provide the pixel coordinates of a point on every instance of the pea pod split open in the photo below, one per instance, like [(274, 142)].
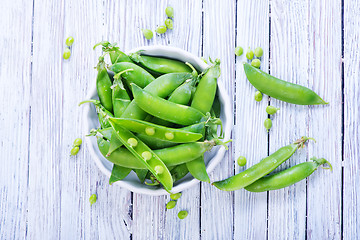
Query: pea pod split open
[(280, 89)]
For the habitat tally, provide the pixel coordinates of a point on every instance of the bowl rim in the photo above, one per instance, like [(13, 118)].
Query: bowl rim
[(213, 162)]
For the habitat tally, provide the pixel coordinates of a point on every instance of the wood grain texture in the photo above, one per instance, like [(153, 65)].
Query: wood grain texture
[(219, 41), (15, 44), (250, 136), (351, 184)]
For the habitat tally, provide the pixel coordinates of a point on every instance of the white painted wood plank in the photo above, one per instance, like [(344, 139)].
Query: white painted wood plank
[(218, 42), (325, 122), (351, 197), (250, 136), (289, 49), (15, 72)]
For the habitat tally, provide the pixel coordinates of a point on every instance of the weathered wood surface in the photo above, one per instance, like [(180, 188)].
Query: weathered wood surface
[(44, 192)]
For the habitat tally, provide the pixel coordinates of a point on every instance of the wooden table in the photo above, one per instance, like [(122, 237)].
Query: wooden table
[(44, 192)]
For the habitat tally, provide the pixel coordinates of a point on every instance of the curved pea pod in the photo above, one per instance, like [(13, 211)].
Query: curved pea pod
[(118, 173), (171, 156), (286, 177), (157, 131), (160, 65), (164, 109), (103, 85), (280, 89), (162, 86), (144, 155), (206, 90), (259, 170), (139, 76), (179, 172), (115, 54), (120, 97), (103, 114), (197, 169)]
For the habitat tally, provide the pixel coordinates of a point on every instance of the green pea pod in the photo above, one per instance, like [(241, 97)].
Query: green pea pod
[(103, 114), (103, 85), (141, 174), (206, 90), (162, 86), (171, 156), (118, 173), (157, 131), (259, 170), (120, 97), (179, 172), (160, 65), (164, 109), (286, 177), (152, 162), (115, 143), (115, 54), (280, 89), (197, 169), (139, 76)]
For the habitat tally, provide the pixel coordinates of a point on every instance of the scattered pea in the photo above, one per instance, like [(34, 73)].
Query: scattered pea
[(258, 96), (159, 169), (132, 142), (161, 29), (249, 54), (92, 199), (171, 205), (77, 142), (241, 161), (239, 51), (175, 196), (182, 214), (255, 63), (67, 53), (146, 155), (169, 12), (69, 41), (74, 151), (258, 52), (150, 131), (169, 135), (148, 34), (169, 23), (268, 124), (271, 110)]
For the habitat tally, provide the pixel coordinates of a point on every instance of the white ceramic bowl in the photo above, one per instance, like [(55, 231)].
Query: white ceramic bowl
[(212, 158)]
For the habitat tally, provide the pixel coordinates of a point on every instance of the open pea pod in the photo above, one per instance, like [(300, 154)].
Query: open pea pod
[(157, 131), (144, 154)]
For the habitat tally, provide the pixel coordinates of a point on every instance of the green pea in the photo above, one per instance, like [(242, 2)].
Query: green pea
[(161, 29), (255, 63), (169, 12), (150, 131), (258, 52), (159, 169), (175, 196), (239, 51), (249, 54), (67, 53), (169, 135), (271, 110), (169, 23), (241, 161), (182, 214), (148, 34), (69, 41), (146, 155), (268, 124), (258, 96), (74, 151), (132, 142), (171, 205), (77, 142), (92, 199)]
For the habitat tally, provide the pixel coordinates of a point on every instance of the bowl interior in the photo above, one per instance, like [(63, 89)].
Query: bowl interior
[(212, 158)]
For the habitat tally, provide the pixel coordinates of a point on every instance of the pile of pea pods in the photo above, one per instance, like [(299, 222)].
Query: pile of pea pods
[(157, 116)]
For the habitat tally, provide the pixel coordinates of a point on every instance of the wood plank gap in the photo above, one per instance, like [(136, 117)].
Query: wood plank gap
[(202, 55)]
